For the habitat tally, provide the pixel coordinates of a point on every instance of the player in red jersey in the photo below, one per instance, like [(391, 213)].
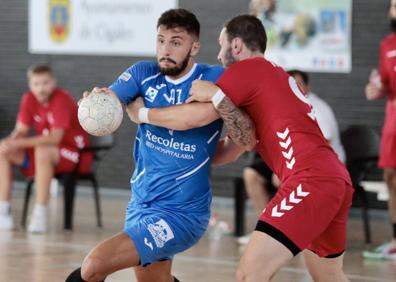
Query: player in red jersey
[(380, 85), (54, 149), (310, 210)]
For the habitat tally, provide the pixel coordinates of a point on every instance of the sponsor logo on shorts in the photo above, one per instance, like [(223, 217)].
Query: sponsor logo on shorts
[(148, 243), (69, 155), (290, 202), (161, 232)]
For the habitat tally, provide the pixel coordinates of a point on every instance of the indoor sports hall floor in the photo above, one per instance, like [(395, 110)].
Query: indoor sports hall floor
[(36, 258)]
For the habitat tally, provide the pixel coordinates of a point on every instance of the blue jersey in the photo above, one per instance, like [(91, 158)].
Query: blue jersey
[(171, 167)]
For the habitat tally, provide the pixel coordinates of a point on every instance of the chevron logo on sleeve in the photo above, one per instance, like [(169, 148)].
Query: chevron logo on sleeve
[(290, 202), (285, 144)]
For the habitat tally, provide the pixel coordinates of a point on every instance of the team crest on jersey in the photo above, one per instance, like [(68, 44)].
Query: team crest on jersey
[(161, 232), (59, 20), (151, 94)]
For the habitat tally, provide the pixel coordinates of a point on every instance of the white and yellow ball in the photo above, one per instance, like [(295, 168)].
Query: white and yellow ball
[(100, 114)]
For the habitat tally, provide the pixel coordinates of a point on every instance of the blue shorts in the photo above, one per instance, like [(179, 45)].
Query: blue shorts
[(159, 234)]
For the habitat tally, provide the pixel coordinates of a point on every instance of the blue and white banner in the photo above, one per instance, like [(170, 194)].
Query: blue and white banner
[(312, 35), (95, 27)]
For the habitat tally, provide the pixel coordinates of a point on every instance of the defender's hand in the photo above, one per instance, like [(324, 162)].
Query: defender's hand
[(202, 91)]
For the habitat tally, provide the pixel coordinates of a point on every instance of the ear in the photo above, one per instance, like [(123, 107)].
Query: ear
[(195, 48), (236, 46)]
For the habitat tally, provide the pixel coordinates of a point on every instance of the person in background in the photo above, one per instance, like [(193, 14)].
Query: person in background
[(52, 112), (383, 84)]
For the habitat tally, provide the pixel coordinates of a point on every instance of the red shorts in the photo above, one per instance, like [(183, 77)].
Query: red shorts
[(309, 213), (388, 151), (68, 160)]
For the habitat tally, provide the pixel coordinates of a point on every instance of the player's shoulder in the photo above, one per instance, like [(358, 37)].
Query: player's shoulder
[(28, 97), (140, 71), (210, 71), (145, 67), (62, 96), (389, 40)]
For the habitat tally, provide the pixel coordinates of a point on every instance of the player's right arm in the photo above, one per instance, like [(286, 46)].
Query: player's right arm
[(375, 89), (20, 130), (378, 84), (22, 125), (125, 87)]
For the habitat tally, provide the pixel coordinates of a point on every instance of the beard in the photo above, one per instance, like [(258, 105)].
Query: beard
[(229, 59), (176, 70), (393, 25)]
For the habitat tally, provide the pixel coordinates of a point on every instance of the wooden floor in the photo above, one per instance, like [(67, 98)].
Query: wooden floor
[(50, 257)]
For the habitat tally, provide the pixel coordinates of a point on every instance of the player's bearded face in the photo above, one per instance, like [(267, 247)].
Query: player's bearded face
[(229, 58), (225, 55), (42, 86), (177, 68)]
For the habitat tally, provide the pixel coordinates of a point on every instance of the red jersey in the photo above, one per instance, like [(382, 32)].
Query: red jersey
[(59, 112), (388, 78), (290, 141)]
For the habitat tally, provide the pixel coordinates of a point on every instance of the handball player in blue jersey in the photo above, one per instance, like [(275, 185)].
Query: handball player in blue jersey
[(170, 205)]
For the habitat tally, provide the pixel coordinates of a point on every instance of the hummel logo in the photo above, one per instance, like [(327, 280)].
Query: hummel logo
[(284, 206), (290, 164), (288, 155), (286, 144), (148, 243), (284, 134)]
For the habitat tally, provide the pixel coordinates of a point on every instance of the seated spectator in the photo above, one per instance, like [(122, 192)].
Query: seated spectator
[(260, 182), (53, 149)]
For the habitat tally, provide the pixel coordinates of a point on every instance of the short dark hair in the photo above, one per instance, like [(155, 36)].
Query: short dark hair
[(250, 29), (39, 69), (181, 18), (303, 74)]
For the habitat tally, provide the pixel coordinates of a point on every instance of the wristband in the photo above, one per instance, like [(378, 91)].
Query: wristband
[(217, 98), (143, 115)]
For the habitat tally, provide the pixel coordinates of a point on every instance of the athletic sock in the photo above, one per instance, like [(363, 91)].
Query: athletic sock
[(75, 276), (5, 208)]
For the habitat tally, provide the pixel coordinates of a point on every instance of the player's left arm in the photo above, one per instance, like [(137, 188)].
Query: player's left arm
[(60, 122), (227, 152), (239, 125), (178, 117)]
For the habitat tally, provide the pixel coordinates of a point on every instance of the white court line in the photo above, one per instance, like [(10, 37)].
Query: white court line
[(195, 259), (213, 261)]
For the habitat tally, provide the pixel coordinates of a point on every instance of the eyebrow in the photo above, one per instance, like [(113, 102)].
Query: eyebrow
[(173, 37)]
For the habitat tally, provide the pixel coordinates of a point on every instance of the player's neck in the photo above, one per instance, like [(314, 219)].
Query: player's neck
[(247, 54)]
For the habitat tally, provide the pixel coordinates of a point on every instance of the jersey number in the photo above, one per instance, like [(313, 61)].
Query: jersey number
[(296, 90), (175, 97)]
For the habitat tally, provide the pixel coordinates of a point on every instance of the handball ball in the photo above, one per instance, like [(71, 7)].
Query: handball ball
[(100, 114)]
